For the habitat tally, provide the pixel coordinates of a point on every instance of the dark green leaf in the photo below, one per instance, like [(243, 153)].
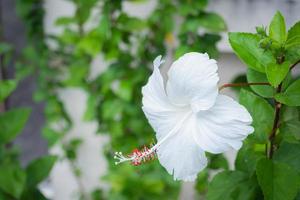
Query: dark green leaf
[(39, 169), (291, 96), (247, 158), (231, 185), (218, 162), (12, 180), (277, 180), (289, 153), (277, 28), (5, 48), (246, 46), (12, 123), (258, 77), (262, 114), (277, 72), (202, 181), (6, 88)]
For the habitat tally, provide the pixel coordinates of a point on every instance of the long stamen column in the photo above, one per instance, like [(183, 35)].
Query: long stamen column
[(137, 157)]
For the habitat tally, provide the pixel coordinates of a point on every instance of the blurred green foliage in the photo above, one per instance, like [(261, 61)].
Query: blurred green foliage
[(16, 181)]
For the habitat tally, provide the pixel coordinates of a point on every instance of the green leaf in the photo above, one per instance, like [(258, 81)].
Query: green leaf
[(231, 185), (289, 153), (124, 90), (39, 169), (277, 180), (290, 130), (202, 181), (291, 96), (63, 21), (12, 180), (262, 114), (218, 161), (277, 29), (246, 46), (212, 22), (5, 48), (258, 77), (6, 88), (247, 159), (91, 104), (277, 72), (12, 123), (293, 38)]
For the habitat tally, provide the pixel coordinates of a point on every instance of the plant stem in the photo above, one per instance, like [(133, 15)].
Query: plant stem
[(241, 85), (275, 124), (294, 65)]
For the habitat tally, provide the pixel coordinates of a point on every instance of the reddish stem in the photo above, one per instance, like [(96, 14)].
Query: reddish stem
[(241, 85)]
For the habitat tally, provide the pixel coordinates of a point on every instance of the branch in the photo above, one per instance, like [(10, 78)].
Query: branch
[(275, 124), (241, 85), (294, 65)]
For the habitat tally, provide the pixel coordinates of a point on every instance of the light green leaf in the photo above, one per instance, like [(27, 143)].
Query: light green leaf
[(231, 185), (293, 38), (12, 180), (262, 114), (277, 29), (212, 22), (258, 77), (277, 72), (289, 153), (124, 90), (91, 104), (63, 21), (12, 123), (277, 180), (246, 46), (6, 88), (39, 169), (291, 96)]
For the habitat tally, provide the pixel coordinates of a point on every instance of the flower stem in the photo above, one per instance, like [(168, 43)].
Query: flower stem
[(275, 124), (294, 65), (241, 85)]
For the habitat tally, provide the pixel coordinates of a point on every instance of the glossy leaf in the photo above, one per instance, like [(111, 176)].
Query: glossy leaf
[(293, 38), (277, 72), (277, 180), (231, 185), (277, 28), (291, 96), (258, 77), (262, 114), (246, 46), (289, 153)]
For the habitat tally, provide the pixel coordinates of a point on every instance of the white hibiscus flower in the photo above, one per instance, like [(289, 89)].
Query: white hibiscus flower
[(189, 117)]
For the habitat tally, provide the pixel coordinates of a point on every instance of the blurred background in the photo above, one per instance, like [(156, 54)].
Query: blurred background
[(79, 66)]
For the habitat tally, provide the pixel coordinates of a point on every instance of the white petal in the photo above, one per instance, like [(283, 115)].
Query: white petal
[(161, 114), (223, 126), (192, 80), (181, 155)]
